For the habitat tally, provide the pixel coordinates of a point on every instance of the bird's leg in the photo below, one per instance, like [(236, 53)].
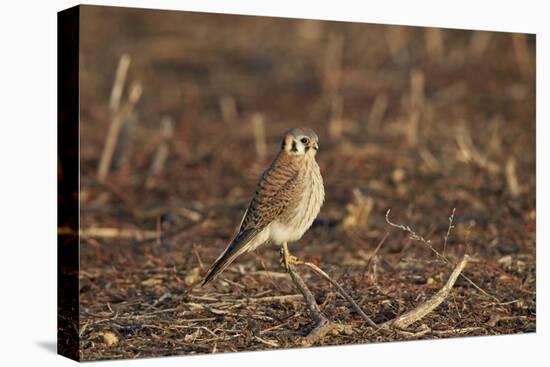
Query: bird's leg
[(286, 258)]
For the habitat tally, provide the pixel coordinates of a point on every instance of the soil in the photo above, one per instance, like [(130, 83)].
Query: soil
[(417, 120)]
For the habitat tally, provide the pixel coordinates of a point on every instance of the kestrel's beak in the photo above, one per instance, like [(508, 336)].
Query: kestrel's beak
[(316, 146)]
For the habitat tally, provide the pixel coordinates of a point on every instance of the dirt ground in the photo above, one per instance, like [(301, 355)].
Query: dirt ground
[(417, 120)]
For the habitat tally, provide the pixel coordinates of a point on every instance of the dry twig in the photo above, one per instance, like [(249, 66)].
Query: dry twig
[(451, 218), (378, 110), (118, 85), (523, 55), (341, 290), (434, 43), (358, 211), (512, 178), (416, 237), (114, 129), (478, 43), (408, 318), (163, 149), (468, 152), (126, 233), (258, 127), (323, 325)]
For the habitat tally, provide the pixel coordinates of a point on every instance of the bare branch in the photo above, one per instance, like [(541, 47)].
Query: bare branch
[(323, 325), (416, 237), (451, 218), (341, 290), (401, 322)]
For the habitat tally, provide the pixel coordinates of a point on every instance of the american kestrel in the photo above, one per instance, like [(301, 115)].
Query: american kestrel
[(288, 197)]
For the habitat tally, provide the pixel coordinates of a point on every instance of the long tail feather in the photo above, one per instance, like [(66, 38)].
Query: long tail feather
[(235, 248)]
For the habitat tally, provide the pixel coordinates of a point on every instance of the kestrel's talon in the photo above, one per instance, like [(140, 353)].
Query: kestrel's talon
[(292, 260), (288, 197)]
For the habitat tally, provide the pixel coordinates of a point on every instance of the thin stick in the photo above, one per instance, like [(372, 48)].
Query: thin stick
[(376, 249), (312, 305), (159, 231), (323, 325), (118, 84), (512, 178), (417, 89), (416, 237), (378, 110), (270, 299), (434, 43), (412, 128), (258, 126), (341, 290), (196, 252), (401, 322), (478, 43), (454, 332), (114, 130), (451, 218), (108, 232), (167, 132), (267, 342), (468, 152), (162, 152), (268, 274), (523, 54)]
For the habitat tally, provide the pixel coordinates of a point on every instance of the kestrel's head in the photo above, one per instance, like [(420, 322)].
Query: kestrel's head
[(300, 141)]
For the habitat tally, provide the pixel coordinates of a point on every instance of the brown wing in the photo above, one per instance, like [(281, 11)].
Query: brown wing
[(273, 193)]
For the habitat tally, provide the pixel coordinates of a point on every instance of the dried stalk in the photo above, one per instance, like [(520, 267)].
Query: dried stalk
[(106, 232), (378, 110), (118, 85), (163, 149), (323, 325), (434, 43), (512, 178), (416, 237), (478, 43), (412, 128), (523, 56), (408, 318), (358, 212), (114, 130), (258, 127), (451, 218), (341, 290), (469, 153), (417, 90)]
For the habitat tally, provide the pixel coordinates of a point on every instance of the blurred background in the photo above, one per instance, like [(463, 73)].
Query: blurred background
[(181, 112)]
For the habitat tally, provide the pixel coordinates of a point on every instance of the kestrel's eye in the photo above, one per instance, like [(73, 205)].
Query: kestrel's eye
[(304, 140)]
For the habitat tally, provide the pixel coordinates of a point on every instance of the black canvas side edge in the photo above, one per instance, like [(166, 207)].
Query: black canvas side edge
[(68, 30)]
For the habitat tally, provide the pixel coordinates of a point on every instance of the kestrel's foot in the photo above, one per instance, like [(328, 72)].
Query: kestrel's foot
[(286, 258), (293, 260)]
